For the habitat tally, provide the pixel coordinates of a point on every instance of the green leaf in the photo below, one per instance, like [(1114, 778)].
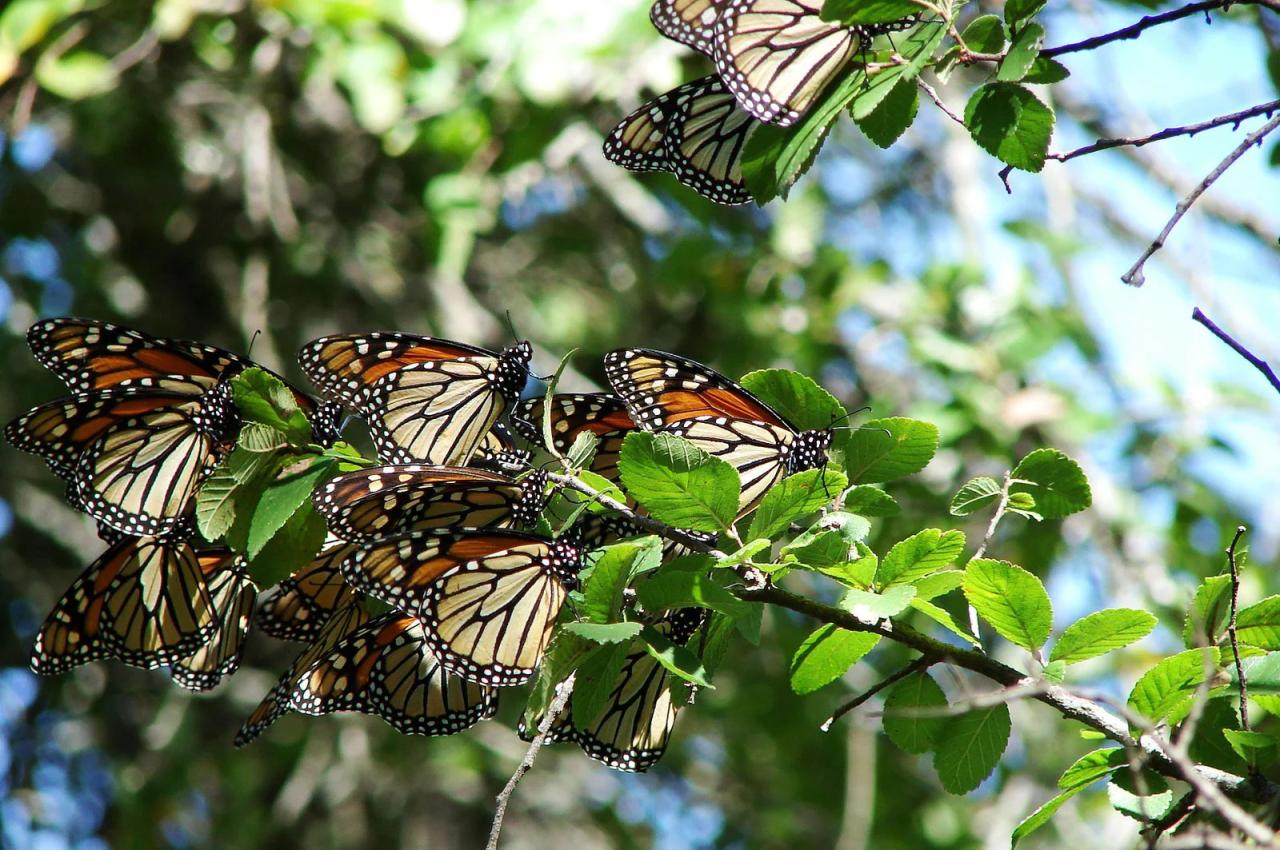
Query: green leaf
[(969, 747), (1017, 11), (233, 489), (1100, 633), (1011, 124), (893, 115), (826, 654), (564, 654), (854, 12), (746, 553), (920, 554), (985, 34), (1261, 672), (1091, 767), (1208, 612), (1046, 72), (294, 545), (1257, 750), (261, 439), (605, 632), (1055, 672), (872, 607), (775, 157), (1011, 599), (604, 581), (678, 482), (792, 498), (976, 494), (1210, 746), (262, 397), (281, 500), (583, 450), (1122, 792), (911, 732), (595, 679), (1057, 483), (597, 482), (76, 75), (798, 398), (943, 618), (1087, 770), (675, 658), (1259, 624), (682, 589), (1163, 688), (865, 500), (937, 584), (884, 449), (1022, 53)]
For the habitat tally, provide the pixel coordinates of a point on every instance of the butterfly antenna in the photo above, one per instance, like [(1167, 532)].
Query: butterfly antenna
[(254, 339), (511, 326)]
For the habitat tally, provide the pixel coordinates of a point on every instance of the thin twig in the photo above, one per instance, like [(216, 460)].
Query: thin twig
[(938, 101), (1169, 132), (921, 663), (27, 94), (554, 710), (1257, 362), (1185, 805), (1135, 277), (1146, 23), (1231, 628), (1001, 507)]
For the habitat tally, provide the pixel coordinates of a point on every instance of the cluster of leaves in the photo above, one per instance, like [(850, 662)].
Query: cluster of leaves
[(1003, 116)]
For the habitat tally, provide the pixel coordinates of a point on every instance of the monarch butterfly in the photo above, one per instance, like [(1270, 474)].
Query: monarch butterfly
[(777, 56), (632, 729), (301, 605), (232, 594), (696, 131), (691, 22), (572, 414), (386, 668), (668, 393), (276, 703), (371, 503), (427, 400), (144, 602), (488, 599)]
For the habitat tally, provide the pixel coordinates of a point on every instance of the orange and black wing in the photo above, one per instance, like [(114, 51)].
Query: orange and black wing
[(691, 22), (88, 354), (143, 602), (301, 605), (386, 668), (232, 593), (572, 414), (489, 599)]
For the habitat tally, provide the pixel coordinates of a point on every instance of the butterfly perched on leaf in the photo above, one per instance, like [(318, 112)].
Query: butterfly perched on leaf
[(276, 703), (135, 441), (675, 395), (488, 599), (145, 601), (369, 503), (632, 729), (697, 132), (298, 608), (232, 593), (386, 668), (426, 400)]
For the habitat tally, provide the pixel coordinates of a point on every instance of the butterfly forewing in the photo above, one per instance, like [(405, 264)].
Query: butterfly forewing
[(690, 22), (489, 599), (777, 56), (386, 668), (143, 602), (572, 414), (232, 594)]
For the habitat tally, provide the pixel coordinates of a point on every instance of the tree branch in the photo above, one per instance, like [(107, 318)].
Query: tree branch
[(1231, 628), (921, 663), (1135, 277), (1257, 362), (1146, 23), (554, 710)]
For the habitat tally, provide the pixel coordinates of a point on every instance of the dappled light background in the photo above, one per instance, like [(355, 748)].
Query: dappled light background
[(264, 173)]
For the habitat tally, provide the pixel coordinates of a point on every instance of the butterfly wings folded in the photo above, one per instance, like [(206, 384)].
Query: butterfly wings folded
[(489, 599)]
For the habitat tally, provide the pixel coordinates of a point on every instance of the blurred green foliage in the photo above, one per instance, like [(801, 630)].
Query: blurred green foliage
[(258, 174)]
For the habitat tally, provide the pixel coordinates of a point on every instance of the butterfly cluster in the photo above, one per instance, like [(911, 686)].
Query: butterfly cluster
[(447, 537), (773, 58)]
